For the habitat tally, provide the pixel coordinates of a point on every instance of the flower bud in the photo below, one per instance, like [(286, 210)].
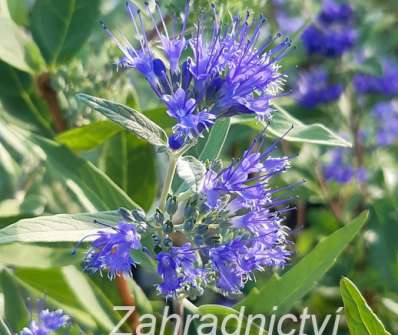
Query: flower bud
[(156, 239), (189, 224), (171, 205), (125, 213), (167, 242), (168, 227), (159, 217), (138, 215)]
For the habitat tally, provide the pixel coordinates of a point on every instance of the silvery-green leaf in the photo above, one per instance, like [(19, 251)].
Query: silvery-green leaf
[(283, 123), (128, 118), (191, 171)]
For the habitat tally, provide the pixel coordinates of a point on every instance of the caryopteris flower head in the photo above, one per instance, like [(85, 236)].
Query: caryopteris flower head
[(386, 84), (179, 270), (48, 323), (246, 179), (386, 117), (340, 169), (250, 217), (332, 34), (212, 73), (111, 250), (313, 89), (232, 227)]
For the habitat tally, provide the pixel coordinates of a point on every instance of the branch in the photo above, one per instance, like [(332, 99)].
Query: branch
[(49, 95), (128, 300)]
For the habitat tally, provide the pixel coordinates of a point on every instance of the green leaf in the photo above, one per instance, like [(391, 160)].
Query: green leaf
[(216, 139), (16, 313), (360, 317), (89, 136), (282, 123), (20, 102), (91, 297), (4, 330), (383, 250), (51, 284), (16, 208), (79, 184), (370, 66), (130, 162), (56, 228), (191, 171), (128, 118), (18, 49), (19, 11), (35, 256), (301, 278), (60, 28), (91, 187)]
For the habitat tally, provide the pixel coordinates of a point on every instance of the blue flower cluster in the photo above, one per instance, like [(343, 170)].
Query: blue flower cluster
[(49, 322), (228, 71), (232, 227), (314, 88), (340, 169), (386, 85), (386, 117), (332, 33), (111, 250)]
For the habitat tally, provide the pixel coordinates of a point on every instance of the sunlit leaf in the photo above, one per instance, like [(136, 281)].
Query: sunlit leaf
[(360, 317), (283, 123), (128, 118), (61, 27)]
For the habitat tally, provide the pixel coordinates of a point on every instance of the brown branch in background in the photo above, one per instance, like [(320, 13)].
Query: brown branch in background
[(128, 300), (159, 27), (333, 204), (178, 307), (49, 95), (359, 152), (300, 215)]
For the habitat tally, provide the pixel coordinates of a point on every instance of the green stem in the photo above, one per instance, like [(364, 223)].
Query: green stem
[(173, 158)]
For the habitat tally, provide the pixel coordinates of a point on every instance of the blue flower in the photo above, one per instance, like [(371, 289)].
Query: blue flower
[(340, 169), (386, 117), (179, 270), (335, 13), (387, 84), (235, 261), (314, 88), (332, 34), (228, 73), (49, 322), (256, 238), (237, 179), (111, 251), (190, 124)]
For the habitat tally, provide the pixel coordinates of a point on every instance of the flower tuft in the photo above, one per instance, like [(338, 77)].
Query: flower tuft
[(314, 88), (49, 322), (111, 250), (332, 34), (231, 71)]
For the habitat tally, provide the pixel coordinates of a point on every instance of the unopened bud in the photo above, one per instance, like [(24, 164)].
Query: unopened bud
[(168, 227), (138, 215), (171, 205), (159, 217)]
